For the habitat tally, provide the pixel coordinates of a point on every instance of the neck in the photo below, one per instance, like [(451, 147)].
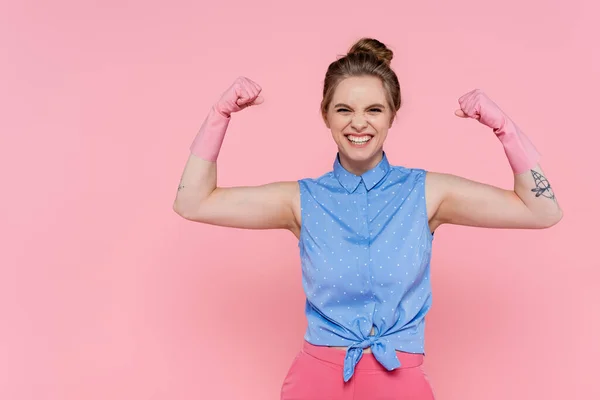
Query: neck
[(360, 167)]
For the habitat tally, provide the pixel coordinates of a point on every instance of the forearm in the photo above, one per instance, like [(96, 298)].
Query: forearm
[(530, 184), (199, 178), (198, 181), (534, 189)]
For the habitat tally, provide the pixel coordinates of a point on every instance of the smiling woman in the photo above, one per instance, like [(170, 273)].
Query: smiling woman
[(365, 228), (358, 122), (361, 96)]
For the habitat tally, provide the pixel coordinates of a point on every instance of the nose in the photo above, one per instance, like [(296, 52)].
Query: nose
[(359, 122)]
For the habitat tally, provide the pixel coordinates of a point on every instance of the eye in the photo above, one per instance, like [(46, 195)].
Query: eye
[(343, 110), (376, 109)]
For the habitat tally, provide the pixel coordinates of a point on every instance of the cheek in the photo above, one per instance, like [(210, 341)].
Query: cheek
[(381, 124), (379, 119), (337, 124)]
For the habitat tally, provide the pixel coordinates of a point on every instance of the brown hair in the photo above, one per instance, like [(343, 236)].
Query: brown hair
[(367, 57)]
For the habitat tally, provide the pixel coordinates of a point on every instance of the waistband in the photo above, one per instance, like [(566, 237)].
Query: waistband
[(367, 361)]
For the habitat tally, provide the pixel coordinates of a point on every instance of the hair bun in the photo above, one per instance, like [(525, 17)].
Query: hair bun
[(374, 47)]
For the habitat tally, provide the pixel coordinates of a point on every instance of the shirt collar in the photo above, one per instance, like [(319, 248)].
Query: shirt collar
[(370, 178)]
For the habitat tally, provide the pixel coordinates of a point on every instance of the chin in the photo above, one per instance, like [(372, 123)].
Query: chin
[(359, 155)]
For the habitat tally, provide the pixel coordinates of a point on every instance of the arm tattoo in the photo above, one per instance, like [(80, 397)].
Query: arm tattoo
[(542, 186), (180, 187)]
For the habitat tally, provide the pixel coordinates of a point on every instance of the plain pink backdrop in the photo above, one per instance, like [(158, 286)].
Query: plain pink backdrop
[(105, 293)]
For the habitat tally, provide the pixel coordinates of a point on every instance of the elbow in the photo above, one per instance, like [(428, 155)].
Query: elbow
[(192, 205), (552, 220), (178, 210), (183, 211), (191, 212)]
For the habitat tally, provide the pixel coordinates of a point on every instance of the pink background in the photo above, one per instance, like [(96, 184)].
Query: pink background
[(105, 293)]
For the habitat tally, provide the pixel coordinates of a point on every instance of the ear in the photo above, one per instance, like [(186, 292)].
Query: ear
[(326, 122)]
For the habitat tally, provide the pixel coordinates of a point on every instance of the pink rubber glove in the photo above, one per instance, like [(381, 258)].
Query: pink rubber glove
[(242, 93), (521, 153)]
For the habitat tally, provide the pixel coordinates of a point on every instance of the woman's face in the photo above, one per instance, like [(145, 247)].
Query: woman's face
[(359, 117)]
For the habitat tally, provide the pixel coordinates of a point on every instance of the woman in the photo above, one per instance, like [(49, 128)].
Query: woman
[(365, 228)]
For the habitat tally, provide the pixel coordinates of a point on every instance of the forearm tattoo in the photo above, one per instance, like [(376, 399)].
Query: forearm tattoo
[(542, 186)]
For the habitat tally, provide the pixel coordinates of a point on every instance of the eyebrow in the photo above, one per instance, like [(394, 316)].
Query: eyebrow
[(347, 106)]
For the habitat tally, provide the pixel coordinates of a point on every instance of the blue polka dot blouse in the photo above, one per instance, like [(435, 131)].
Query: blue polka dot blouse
[(365, 250)]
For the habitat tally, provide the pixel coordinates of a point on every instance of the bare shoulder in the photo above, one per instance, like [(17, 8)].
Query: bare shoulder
[(436, 184), (287, 193), (293, 189)]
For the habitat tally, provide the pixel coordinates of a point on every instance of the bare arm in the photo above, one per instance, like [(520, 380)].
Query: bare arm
[(269, 206), (275, 205), (460, 201)]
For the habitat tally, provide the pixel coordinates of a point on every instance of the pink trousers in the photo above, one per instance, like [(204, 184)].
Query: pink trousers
[(316, 374)]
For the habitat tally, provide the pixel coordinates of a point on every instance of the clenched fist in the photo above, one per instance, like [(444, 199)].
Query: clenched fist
[(241, 94), (479, 106)]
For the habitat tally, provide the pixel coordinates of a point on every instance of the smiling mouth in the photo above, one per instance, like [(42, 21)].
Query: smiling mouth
[(359, 140)]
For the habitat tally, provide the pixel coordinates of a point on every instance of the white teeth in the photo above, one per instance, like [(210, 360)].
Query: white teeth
[(359, 140)]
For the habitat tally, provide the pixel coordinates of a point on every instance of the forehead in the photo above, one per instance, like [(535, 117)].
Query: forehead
[(360, 90)]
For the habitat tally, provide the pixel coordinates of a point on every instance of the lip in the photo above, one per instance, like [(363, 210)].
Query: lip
[(359, 145)]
